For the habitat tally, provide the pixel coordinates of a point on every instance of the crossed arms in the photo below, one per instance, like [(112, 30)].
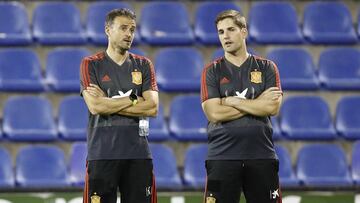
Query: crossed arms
[(231, 108), (98, 103)]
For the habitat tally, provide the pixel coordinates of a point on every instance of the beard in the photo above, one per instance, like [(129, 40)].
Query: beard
[(121, 48)]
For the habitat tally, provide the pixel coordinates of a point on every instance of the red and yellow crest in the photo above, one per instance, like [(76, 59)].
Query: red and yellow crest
[(136, 77), (255, 76), (210, 200), (95, 198)]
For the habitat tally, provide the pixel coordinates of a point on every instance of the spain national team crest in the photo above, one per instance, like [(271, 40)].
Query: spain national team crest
[(136, 77), (255, 76), (210, 200), (95, 198)]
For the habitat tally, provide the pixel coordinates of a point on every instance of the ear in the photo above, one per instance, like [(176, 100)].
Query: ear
[(107, 30), (244, 32)]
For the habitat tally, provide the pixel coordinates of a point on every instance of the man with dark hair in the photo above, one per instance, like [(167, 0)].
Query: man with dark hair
[(239, 93), (120, 91)]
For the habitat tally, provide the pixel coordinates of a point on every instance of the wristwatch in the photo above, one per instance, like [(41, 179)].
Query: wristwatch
[(133, 98)]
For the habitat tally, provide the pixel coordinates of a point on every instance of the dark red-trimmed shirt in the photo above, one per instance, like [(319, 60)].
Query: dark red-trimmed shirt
[(116, 136), (249, 137)]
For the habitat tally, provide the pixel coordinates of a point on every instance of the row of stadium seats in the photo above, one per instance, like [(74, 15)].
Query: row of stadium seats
[(30, 118), (178, 69), (269, 23), (317, 165)]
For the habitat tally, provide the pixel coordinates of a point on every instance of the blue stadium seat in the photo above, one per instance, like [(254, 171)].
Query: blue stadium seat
[(166, 173), (276, 128), (274, 23), (73, 118), (355, 163), (328, 23), (77, 163), (95, 21), (158, 127), (296, 68), (179, 69), (194, 166), (14, 24), (323, 165), (348, 117), (158, 25), (339, 68), (219, 52), (306, 118), (41, 166), (205, 16), (29, 118), (62, 68), (6, 169), (20, 70), (187, 119), (57, 23), (286, 173)]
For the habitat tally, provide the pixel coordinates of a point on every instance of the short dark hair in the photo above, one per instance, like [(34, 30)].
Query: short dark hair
[(119, 12), (236, 16)]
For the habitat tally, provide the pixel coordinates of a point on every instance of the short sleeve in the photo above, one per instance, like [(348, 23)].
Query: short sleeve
[(87, 74), (149, 78), (272, 76), (209, 84)]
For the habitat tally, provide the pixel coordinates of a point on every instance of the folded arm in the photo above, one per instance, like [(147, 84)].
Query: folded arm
[(147, 106), (267, 104), (216, 112)]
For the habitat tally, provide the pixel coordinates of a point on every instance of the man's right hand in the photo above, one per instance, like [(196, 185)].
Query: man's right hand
[(95, 91), (272, 93)]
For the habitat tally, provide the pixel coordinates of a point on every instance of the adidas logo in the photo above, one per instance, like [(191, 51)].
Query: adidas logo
[(106, 78), (224, 80)]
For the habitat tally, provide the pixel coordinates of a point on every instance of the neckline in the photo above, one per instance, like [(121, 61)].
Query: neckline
[(112, 61)]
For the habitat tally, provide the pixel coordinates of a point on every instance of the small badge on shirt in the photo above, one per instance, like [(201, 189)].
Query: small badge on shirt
[(210, 199), (95, 198), (255, 76), (136, 77)]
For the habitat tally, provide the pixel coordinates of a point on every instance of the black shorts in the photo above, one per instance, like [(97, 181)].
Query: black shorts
[(257, 179), (133, 178)]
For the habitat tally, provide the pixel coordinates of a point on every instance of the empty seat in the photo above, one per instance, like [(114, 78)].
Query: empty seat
[(166, 173), (187, 119), (158, 127), (73, 118), (348, 117), (41, 166), (306, 118), (95, 22), (14, 24), (296, 67), (286, 172), (6, 169), (20, 70), (339, 68), (274, 23), (29, 118), (58, 23), (205, 29), (323, 165), (194, 166), (62, 69), (355, 163), (77, 163), (179, 69), (276, 128), (158, 25), (328, 23)]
